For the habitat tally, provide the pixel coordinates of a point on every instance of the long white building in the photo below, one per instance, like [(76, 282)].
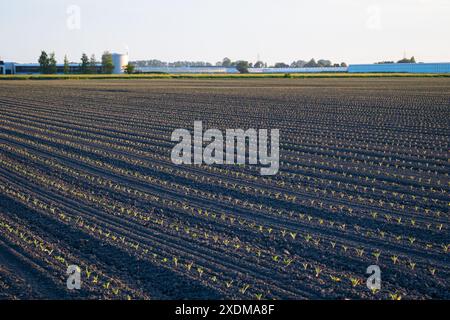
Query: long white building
[(120, 61)]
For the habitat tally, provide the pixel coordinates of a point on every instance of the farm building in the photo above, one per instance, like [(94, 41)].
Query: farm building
[(119, 62), (297, 70), (34, 68), (400, 68), (214, 69), (6, 67), (208, 70)]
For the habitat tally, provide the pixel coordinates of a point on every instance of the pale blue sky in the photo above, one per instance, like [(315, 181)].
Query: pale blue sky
[(355, 31)]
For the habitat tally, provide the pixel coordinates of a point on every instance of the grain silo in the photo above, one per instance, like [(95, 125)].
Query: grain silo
[(120, 61)]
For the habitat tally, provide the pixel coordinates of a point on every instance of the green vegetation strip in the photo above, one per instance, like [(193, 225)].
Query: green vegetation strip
[(218, 76)]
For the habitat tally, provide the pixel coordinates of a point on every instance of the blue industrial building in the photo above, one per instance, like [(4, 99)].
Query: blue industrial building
[(400, 68), (10, 68)]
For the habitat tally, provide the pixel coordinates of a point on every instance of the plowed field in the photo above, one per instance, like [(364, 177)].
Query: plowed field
[(86, 179)]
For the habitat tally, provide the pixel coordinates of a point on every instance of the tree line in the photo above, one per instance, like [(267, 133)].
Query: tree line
[(88, 65), (241, 65), (226, 62), (404, 60)]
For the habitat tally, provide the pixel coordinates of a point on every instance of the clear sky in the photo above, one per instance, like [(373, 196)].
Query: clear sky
[(354, 31)]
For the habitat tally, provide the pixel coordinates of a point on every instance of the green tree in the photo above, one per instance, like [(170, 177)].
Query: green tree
[(84, 63), (281, 65), (66, 65), (324, 63), (311, 64), (406, 60), (242, 66), (226, 62), (298, 64), (52, 69), (129, 68), (107, 63), (93, 65), (43, 62), (259, 64)]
